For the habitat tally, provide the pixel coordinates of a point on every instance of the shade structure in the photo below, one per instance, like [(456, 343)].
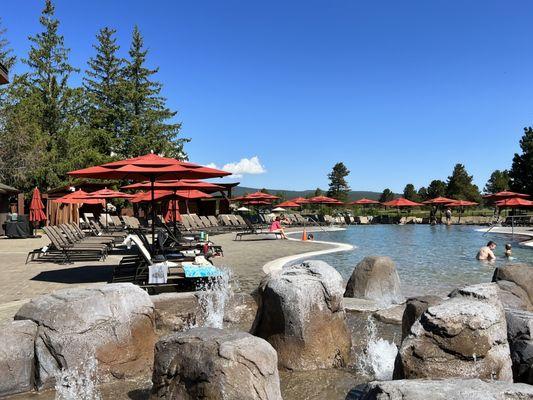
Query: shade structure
[(324, 200), (278, 209), (149, 167), (299, 200), (243, 209), (461, 203), (78, 197), (505, 195), (439, 200), (256, 196), (184, 184), (514, 202), (363, 202), (37, 207), (252, 202), (165, 194), (289, 204), (106, 193), (401, 202)]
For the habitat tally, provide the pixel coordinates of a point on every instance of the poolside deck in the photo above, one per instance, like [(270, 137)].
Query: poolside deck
[(22, 282)]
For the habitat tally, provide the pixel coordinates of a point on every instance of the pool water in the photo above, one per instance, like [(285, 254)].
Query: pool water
[(430, 259)]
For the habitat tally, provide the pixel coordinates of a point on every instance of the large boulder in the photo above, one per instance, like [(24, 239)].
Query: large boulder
[(375, 278), (520, 336), (213, 364), (414, 308), (449, 389), (464, 336), (301, 314), (17, 357), (516, 282), (112, 324)]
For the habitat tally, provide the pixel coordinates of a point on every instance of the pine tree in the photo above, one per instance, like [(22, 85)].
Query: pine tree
[(147, 126), (318, 192), (338, 187), (436, 188), (521, 172), (387, 195), (7, 58), (105, 93), (423, 194), (409, 192), (498, 182), (460, 186), (50, 70)]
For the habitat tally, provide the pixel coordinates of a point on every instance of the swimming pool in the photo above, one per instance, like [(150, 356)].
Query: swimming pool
[(430, 259)]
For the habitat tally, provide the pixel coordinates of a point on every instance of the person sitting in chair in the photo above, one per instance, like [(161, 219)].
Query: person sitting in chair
[(276, 227)]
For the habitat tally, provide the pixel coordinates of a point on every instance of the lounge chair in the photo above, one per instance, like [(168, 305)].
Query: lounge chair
[(254, 230), (73, 252)]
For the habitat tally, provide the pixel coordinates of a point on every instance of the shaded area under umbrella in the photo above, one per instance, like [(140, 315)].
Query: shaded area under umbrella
[(149, 167), (461, 204)]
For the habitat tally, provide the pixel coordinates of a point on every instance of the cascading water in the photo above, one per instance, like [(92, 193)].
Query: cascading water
[(213, 298), (78, 383), (377, 361)]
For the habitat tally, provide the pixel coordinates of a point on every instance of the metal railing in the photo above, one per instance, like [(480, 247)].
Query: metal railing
[(513, 221)]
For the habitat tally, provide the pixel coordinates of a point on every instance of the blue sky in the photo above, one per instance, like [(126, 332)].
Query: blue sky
[(399, 91)]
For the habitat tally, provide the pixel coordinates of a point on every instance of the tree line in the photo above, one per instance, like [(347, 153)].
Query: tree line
[(49, 127)]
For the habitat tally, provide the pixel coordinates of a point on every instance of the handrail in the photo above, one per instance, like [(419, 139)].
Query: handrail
[(513, 218)]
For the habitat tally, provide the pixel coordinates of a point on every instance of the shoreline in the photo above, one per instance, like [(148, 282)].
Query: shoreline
[(278, 263)]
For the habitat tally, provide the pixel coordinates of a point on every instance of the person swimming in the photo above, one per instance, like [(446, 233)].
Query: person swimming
[(508, 250), (486, 253)]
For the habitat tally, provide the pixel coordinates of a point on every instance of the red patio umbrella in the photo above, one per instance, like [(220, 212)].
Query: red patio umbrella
[(439, 200), (401, 202), (363, 202), (324, 200), (461, 204), (505, 195), (149, 167), (515, 202), (165, 194), (173, 212), (183, 184), (289, 204), (256, 196), (37, 207), (78, 197), (299, 200), (104, 195)]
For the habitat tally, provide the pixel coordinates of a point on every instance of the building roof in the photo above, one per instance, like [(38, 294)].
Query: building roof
[(4, 189), (3, 75)]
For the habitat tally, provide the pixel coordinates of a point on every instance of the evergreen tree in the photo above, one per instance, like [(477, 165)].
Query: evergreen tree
[(423, 193), (436, 188), (318, 192), (387, 195), (460, 185), (409, 192), (147, 125), (7, 58), (521, 172), (498, 182), (338, 187), (105, 92)]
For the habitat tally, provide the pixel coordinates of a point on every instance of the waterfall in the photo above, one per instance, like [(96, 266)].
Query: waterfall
[(78, 383), (377, 361), (213, 297)]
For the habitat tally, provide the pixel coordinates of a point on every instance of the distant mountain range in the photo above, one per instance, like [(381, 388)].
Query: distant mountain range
[(290, 194)]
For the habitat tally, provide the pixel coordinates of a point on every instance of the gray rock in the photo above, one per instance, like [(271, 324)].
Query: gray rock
[(520, 336), (176, 312), (392, 315), (513, 296), (520, 274), (414, 307), (113, 324), (302, 316), (464, 336), (17, 357), (214, 364), (353, 305), (375, 278), (449, 389)]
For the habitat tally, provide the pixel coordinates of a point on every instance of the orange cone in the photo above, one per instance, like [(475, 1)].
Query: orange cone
[(304, 235)]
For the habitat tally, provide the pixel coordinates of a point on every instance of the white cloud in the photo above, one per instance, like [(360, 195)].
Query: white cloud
[(251, 166)]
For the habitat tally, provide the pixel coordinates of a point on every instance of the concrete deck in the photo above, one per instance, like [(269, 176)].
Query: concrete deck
[(517, 231), (22, 282)]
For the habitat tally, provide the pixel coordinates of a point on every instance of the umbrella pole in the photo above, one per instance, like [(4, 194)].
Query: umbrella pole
[(174, 212), (152, 182)]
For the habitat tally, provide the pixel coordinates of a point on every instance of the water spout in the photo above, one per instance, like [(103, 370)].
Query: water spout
[(213, 298)]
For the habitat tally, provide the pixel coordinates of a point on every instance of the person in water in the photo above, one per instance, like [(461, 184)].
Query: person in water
[(487, 252), (277, 228), (508, 250)]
